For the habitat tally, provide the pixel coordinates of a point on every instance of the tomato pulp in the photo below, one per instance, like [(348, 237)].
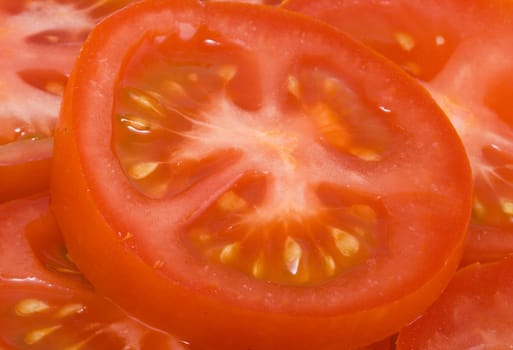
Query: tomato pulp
[(249, 178), (461, 52), (45, 303), (40, 40), (474, 312)]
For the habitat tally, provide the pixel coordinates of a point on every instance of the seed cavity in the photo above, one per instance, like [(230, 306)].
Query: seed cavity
[(37, 335), (28, 307), (346, 243), (405, 40)]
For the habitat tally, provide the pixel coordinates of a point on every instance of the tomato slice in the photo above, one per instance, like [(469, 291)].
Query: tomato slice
[(461, 52), (247, 199), (474, 312), (40, 40), (45, 303)]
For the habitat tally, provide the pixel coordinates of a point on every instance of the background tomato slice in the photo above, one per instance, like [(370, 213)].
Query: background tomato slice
[(45, 303), (460, 52), (40, 40), (473, 312), (253, 193)]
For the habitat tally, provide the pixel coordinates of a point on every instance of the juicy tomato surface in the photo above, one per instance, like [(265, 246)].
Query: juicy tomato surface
[(460, 51), (246, 177), (45, 303), (474, 312), (40, 40)]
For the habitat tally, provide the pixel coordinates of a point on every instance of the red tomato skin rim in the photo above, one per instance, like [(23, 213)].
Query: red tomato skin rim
[(288, 331)]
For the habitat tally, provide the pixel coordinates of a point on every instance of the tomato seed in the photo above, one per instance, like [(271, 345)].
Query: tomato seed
[(30, 306)]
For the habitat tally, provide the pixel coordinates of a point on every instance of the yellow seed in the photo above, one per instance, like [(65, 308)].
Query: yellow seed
[(30, 306), (258, 267), (146, 101), (346, 243), (292, 255), (227, 72), (365, 154), (142, 170), (70, 309), (405, 40), (158, 264), (127, 236), (330, 86), (330, 127), (507, 207), (364, 212), (230, 201), (173, 88), (67, 270), (329, 263), (133, 124), (412, 68), (54, 88), (293, 86), (478, 208), (37, 335), (228, 252), (52, 39), (440, 40)]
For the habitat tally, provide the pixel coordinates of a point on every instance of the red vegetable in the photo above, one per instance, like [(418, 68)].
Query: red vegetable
[(249, 178)]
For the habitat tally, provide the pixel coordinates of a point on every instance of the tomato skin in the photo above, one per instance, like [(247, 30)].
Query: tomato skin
[(200, 313), (473, 312), (445, 45)]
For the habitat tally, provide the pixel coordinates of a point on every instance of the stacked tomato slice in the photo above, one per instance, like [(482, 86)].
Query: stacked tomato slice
[(242, 176)]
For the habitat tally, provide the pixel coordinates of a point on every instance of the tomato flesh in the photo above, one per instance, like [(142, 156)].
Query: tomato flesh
[(45, 303), (251, 193), (473, 313), (446, 45), (40, 40)]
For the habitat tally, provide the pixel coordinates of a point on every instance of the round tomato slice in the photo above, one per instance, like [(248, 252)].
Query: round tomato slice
[(249, 178), (44, 301), (474, 312), (461, 52), (40, 40)]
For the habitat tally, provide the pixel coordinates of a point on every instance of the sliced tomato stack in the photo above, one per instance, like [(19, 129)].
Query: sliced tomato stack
[(40, 40), (236, 187)]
